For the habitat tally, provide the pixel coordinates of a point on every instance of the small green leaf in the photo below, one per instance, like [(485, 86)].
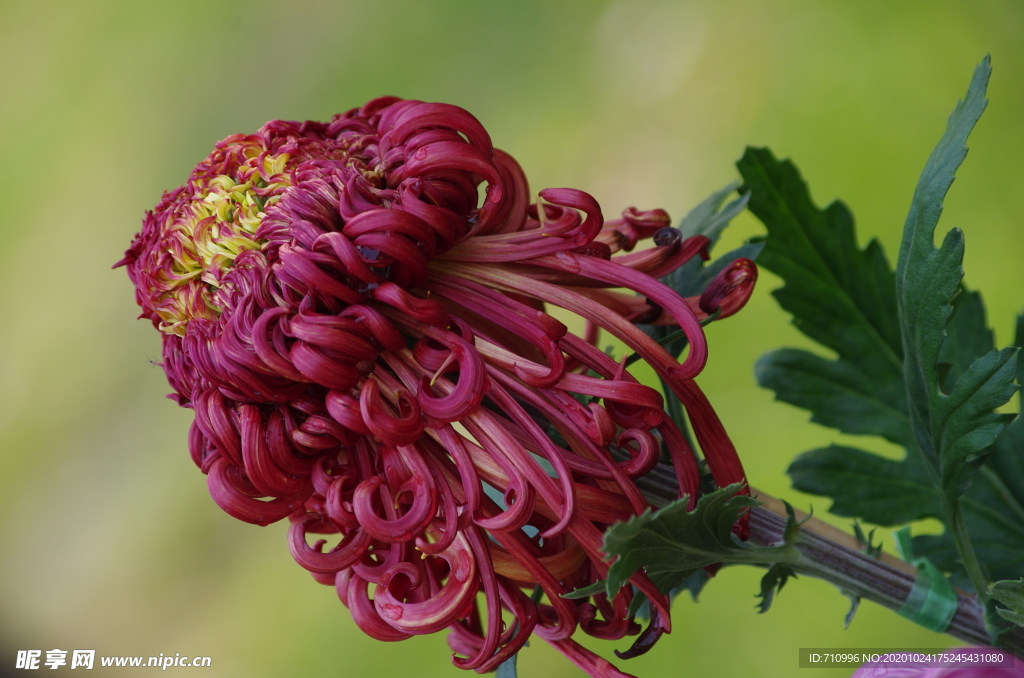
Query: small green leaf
[(965, 422), (866, 542), (587, 591), (672, 543), (706, 219), (854, 606), (1010, 594), (771, 583)]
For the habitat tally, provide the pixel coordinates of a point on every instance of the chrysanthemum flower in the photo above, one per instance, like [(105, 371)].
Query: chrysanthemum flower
[(356, 312)]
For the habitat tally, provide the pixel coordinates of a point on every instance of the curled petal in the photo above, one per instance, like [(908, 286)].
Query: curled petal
[(565, 233), (324, 366), (424, 310), (401, 430), (347, 411), (223, 483), (216, 422), (259, 466), (402, 528), (448, 155), (423, 115), (389, 221), (347, 552), (352, 590), (643, 460), (340, 514), (516, 191), (468, 391), (382, 331), (338, 334), (298, 269), (265, 348), (537, 327), (447, 226), (525, 612), (281, 449), (441, 610), (443, 531), (352, 262), (199, 448)]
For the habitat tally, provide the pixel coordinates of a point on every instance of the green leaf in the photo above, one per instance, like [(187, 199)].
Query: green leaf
[(965, 422), (672, 543), (1007, 457), (1010, 594), (771, 583), (587, 591), (839, 296), (706, 219), (863, 391), (951, 431), (837, 393), (967, 338), (887, 492), (866, 486)]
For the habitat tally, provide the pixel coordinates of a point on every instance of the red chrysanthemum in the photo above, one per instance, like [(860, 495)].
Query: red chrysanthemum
[(361, 332)]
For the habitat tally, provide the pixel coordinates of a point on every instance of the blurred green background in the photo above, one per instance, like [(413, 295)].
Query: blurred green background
[(108, 539)]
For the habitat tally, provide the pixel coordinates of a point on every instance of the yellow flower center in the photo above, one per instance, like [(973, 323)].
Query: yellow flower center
[(218, 223)]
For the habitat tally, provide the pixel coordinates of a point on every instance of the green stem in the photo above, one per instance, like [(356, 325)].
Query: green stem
[(964, 547), (828, 554)]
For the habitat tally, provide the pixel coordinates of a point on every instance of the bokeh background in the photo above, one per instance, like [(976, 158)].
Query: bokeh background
[(108, 539)]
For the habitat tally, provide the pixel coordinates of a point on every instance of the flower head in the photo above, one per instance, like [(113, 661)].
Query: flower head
[(357, 313)]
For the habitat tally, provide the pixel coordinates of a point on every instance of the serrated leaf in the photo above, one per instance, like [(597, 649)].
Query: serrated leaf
[(838, 394), (951, 432), (1010, 594), (967, 379), (866, 486), (672, 543), (839, 296), (965, 422), (1007, 457), (887, 492), (968, 337)]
